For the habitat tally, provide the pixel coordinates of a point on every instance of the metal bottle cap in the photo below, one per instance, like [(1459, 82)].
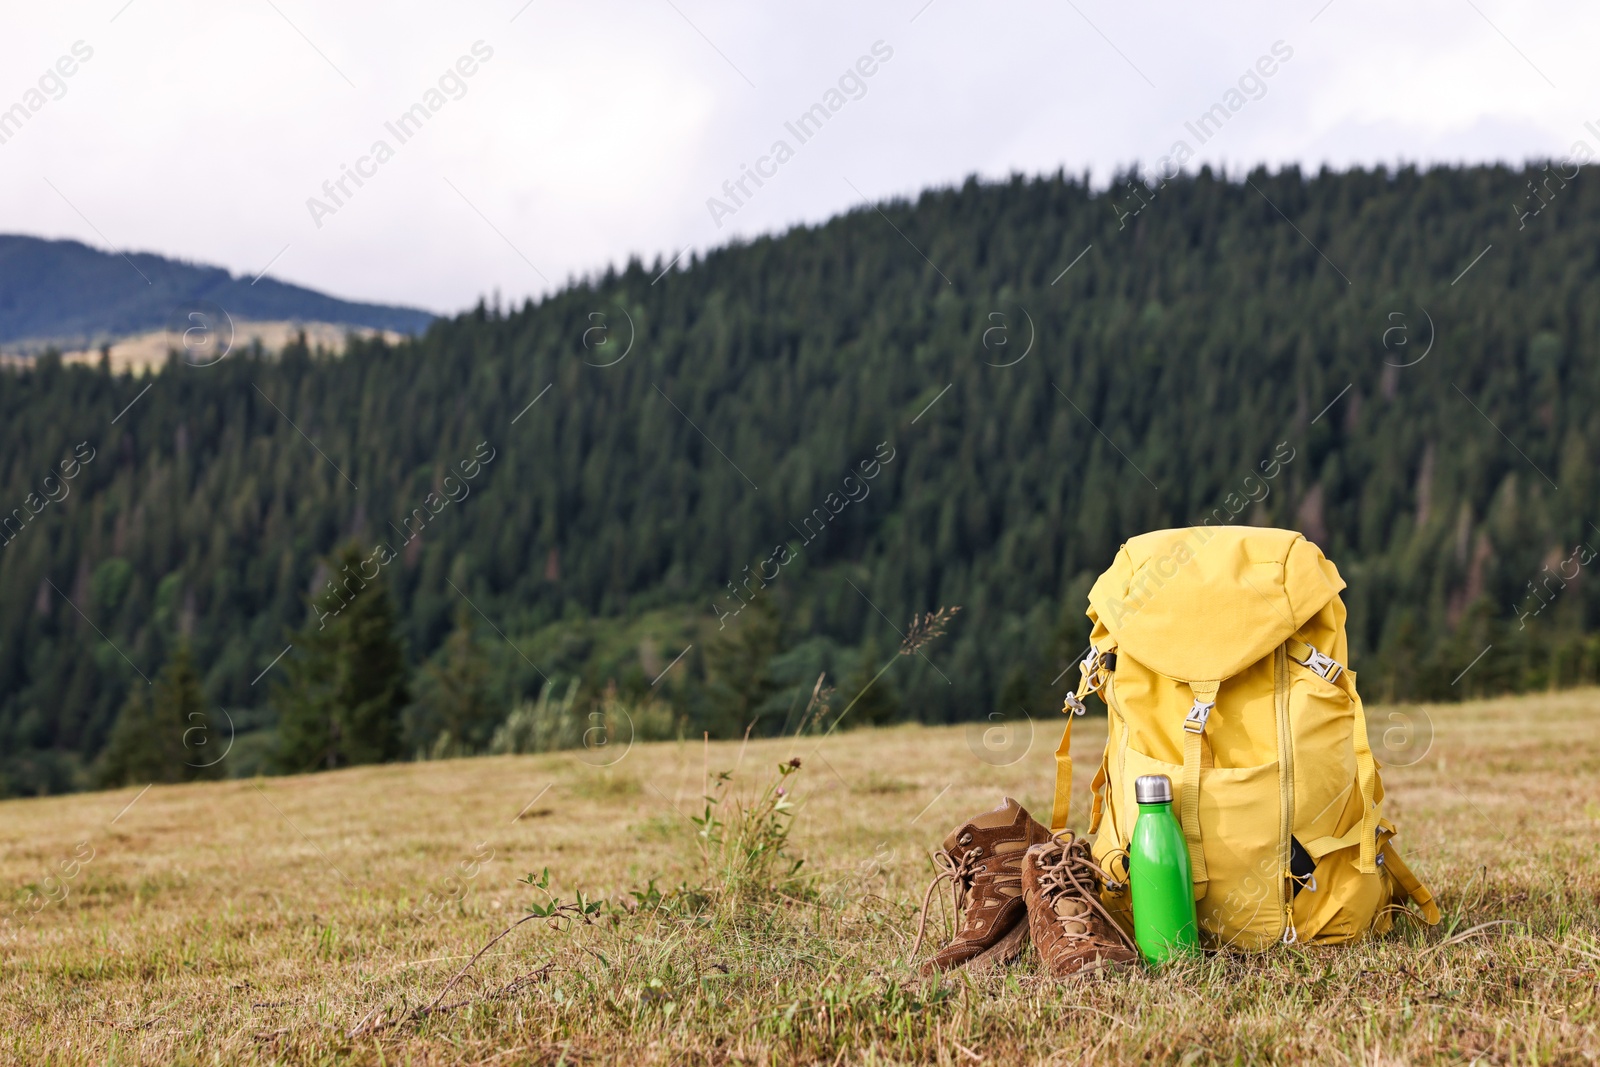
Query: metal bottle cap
[(1152, 789)]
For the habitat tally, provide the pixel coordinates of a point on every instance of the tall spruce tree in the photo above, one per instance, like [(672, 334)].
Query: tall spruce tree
[(346, 681), (455, 713), (739, 668), (869, 690), (165, 731)]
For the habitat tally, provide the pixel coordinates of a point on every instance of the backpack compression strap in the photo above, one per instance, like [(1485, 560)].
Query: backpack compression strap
[(1194, 728), (1096, 666), (1334, 672), (1419, 894)]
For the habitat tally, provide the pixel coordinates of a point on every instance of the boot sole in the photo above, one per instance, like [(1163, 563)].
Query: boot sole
[(1003, 951)]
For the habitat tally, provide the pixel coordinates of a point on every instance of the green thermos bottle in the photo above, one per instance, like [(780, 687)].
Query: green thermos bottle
[(1158, 875)]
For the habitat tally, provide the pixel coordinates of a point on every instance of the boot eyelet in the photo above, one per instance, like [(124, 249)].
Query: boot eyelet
[(965, 839)]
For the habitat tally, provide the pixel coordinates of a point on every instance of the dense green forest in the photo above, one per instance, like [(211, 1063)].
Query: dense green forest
[(778, 452)]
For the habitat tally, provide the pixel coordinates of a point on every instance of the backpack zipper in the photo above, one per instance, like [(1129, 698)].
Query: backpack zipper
[(1280, 700)]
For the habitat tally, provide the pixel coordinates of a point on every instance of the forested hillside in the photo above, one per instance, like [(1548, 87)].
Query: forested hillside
[(971, 399)]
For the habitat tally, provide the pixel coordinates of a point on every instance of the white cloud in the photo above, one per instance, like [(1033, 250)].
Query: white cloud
[(599, 130)]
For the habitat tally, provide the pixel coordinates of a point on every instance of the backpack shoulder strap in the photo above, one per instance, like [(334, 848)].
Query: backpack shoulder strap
[(1096, 666)]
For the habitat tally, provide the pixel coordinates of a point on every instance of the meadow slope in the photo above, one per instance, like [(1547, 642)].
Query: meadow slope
[(269, 920)]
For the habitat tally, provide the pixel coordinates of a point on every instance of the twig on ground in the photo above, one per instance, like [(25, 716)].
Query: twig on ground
[(1097, 1011), (475, 956), (1575, 948), (966, 1051), (361, 1027), (1469, 932), (367, 1024)]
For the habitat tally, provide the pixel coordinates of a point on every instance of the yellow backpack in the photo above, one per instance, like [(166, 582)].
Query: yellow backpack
[(1220, 653)]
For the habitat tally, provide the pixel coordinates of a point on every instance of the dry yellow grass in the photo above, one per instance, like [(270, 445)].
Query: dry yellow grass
[(266, 920), (147, 352)]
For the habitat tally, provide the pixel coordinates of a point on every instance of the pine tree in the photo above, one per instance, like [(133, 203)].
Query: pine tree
[(347, 680), (164, 732), (456, 715), (868, 691), (134, 751), (739, 668)]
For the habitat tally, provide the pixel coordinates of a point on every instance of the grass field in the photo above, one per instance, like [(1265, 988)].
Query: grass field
[(271, 920)]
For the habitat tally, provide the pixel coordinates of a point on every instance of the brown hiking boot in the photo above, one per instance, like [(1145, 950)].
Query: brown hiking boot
[(983, 861), (1071, 928)]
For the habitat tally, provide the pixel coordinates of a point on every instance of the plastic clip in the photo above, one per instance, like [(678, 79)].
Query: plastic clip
[(1195, 721), (1322, 664)]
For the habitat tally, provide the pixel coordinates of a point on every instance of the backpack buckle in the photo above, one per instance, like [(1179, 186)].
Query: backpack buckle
[(1073, 705), (1096, 665), (1321, 663), (1195, 721)]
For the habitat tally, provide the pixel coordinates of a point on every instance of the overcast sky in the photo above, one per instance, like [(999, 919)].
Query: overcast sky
[(589, 132)]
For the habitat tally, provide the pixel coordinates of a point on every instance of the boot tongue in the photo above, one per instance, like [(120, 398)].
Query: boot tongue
[(1074, 916), (1068, 908), (1003, 816)]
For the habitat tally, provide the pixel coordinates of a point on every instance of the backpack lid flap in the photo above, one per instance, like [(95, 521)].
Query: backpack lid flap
[(1204, 602)]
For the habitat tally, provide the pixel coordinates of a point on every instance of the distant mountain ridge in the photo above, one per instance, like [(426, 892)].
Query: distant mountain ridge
[(66, 291)]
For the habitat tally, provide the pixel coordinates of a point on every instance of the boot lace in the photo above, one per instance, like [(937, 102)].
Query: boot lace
[(960, 871), (1074, 874)]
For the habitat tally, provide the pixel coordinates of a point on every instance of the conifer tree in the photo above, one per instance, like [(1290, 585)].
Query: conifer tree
[(346, 681), (739, 668), (868, 690), (455, 714), (165, 731)]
